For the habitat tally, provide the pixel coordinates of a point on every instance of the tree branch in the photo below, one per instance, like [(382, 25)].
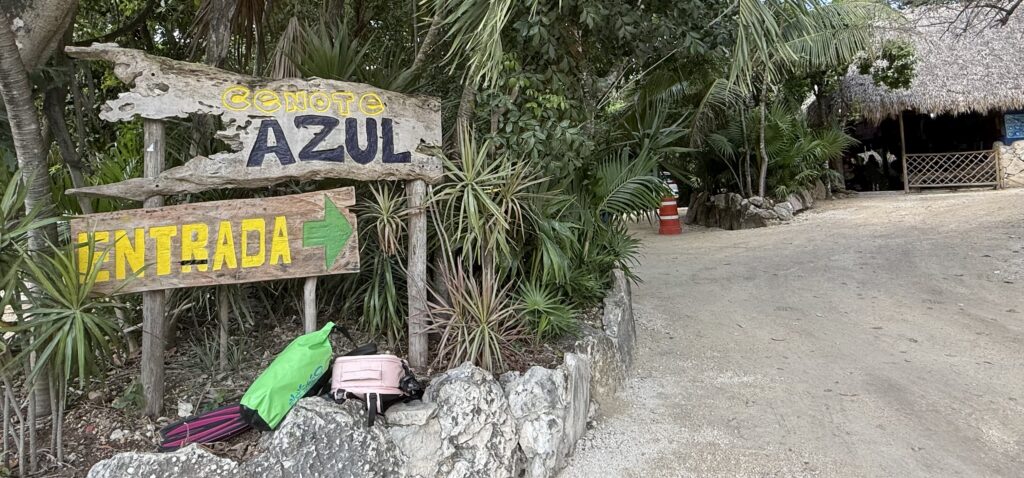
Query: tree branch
[(429, 41), (723, 14), (132, 25)]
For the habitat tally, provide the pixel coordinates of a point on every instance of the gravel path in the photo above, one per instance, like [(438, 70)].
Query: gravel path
[(876, 336)]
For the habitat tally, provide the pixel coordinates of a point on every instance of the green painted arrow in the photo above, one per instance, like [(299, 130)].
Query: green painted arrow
[(332, 232)]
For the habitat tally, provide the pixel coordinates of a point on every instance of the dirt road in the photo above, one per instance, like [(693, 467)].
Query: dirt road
[(876, 336)]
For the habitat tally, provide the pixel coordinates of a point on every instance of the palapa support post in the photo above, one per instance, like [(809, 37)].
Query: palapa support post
[(416, 192), (998, 151), (903, 157), (153, 302), (309, 305)]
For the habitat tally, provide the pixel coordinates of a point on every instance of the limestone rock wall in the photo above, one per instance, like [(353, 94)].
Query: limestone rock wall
[(469, 423), (1011, 159), (732, 211)]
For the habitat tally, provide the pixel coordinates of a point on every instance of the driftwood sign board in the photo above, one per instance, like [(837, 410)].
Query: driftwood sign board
[(278, 130), (220, 242)]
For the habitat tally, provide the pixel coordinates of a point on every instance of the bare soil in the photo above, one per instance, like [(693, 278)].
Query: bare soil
[(876, 336)]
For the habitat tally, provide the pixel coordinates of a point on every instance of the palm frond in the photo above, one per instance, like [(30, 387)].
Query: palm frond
[(289, 46)]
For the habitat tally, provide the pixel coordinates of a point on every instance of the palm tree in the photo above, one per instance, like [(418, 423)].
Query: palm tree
[(780, 39)]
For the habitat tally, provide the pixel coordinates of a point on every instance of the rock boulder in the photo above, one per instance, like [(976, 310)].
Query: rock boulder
[(618, 317), (550, 408), (319, 438), (784, 211), (606, 369), (478, 434), (191, 461)]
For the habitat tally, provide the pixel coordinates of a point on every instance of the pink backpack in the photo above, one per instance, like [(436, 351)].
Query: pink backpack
[(379, 380)]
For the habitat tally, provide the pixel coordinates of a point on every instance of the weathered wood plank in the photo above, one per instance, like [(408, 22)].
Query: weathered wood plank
[(222, 242), (277, 130), (154, 308), (416, 192)]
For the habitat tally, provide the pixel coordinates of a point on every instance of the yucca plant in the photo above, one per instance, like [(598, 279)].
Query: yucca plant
[(72, 332), (478, 321), (378, 297), (484, 203), (15, 225), (64, 332), (384, 216), (385, 303)]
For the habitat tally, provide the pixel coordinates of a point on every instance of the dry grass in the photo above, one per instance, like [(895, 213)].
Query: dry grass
[(960, 68)]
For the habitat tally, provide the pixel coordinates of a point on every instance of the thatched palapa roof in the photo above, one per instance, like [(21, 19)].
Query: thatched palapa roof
[(959, 70)]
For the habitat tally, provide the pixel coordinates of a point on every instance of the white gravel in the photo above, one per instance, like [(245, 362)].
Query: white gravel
[(876, 336)]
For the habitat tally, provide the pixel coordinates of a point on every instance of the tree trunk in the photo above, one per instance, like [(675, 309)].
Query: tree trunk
[(28, 141), (33, 401), (429, 41), (218, 40), (745, 167), (19, 442), (763, 181), (335, 11), (44, 23), (54, 100), (467, 107), (16, 92)]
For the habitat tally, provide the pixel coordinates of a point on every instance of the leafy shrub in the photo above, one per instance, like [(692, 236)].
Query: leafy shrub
[(546, 311), (893, 67), (801, 154)]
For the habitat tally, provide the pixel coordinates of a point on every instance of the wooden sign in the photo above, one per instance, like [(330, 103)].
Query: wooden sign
[(277, 130), (220, 242)]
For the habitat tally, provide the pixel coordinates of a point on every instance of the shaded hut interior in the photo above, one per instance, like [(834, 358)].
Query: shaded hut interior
[(968, 81), (925, 133)]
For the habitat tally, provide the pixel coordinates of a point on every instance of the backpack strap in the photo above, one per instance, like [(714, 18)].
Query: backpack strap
[(367, 349), (344, 331), (372, 405), (410, 386)]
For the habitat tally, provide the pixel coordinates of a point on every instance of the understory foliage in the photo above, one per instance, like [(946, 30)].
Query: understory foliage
[(557, 116), (786, 55)]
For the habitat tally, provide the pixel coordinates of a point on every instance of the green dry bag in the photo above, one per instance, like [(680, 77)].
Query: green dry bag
[(295, 370)]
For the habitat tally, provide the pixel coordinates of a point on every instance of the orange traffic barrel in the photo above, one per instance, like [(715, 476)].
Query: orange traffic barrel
[(669, 216)]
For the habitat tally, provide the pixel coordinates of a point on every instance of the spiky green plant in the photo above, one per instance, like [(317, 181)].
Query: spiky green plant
[(384, 215), (72, 332), (801, 154), (334, 53), (484, 203), (548, 313), (478, 321), (15, 225)]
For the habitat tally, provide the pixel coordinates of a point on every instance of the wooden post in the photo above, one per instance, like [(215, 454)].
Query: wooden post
[(309, 305), (903, 156), (416, 192), (153, 302), (998, 152), (223, 316)]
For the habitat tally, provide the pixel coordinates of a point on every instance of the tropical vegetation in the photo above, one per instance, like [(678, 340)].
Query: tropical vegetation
[(558, 117)]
